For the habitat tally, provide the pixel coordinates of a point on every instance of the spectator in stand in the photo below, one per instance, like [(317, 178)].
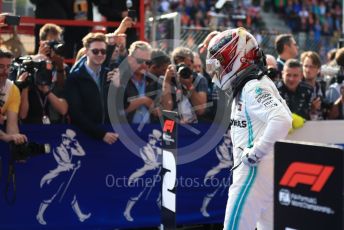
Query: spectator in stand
[(141, 88), (286, 48), (9, 102), (271, 65), (337, 110), (43, 102), (159, 63), (331, 55), (87, 90), (213, 90), (303, 16), (184, 91), (330, 68), (198, 65), (311, 64), (156, 71), (333, 91), (271, 61), (115, 51), (120, 51), (296, 93)]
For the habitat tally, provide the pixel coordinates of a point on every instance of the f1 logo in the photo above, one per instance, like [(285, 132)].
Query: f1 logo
[(305, 173), (168, 126)]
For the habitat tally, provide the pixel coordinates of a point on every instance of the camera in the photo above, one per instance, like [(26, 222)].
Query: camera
[(113, 65), (56, 46), (12, 20), (29, 149), (325, 104), (39, 72), (132, 14), (184, 71)]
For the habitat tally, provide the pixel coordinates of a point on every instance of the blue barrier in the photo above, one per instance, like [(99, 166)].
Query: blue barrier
[(87, 184)]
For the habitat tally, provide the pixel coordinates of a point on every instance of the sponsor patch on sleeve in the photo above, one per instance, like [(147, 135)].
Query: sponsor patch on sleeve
[(265, 98)]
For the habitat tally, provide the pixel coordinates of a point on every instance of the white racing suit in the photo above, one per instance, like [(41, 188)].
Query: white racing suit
[(259, 118)]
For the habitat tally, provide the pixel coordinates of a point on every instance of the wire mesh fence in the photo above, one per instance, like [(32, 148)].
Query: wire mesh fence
[(192, 37)]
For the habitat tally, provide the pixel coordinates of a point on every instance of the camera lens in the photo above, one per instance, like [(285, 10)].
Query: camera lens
[(184, 71)]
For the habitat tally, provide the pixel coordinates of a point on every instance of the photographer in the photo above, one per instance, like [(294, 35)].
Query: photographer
[(9, 102), (43, 82), (333, 91), (51, 49), (337, 110), (183, 89), (37, 99)]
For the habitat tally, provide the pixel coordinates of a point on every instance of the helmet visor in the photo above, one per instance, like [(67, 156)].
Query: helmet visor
[(214, 68)]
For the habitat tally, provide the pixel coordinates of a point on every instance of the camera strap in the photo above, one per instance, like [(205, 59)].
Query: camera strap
[(11, 181), (197, 80), (42, 102)]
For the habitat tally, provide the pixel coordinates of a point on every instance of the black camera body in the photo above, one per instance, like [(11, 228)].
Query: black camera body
[(27, 150), (39, 72), (184, 71), (132, 14), (12, 20), (325, 104), (56, 46)]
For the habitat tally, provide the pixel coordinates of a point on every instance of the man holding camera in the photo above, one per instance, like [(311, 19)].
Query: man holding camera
[(183, 89), (9, 102), (51, 48), (42, 85)]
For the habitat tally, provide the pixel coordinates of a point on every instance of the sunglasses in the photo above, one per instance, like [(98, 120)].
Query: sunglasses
[(97, 51), (141, 61)]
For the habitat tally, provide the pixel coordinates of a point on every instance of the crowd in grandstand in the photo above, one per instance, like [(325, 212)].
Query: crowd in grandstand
[(318, 17), (202, 13)]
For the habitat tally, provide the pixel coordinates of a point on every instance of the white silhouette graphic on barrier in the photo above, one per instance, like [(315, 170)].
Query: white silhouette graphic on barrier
[(151, 155), (224, 154), (62, 175)]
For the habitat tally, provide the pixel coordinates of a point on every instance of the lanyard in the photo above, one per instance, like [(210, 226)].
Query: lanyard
[(41, 102)]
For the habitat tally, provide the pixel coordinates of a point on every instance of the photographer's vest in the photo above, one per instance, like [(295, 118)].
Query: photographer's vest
[(9, 97)]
